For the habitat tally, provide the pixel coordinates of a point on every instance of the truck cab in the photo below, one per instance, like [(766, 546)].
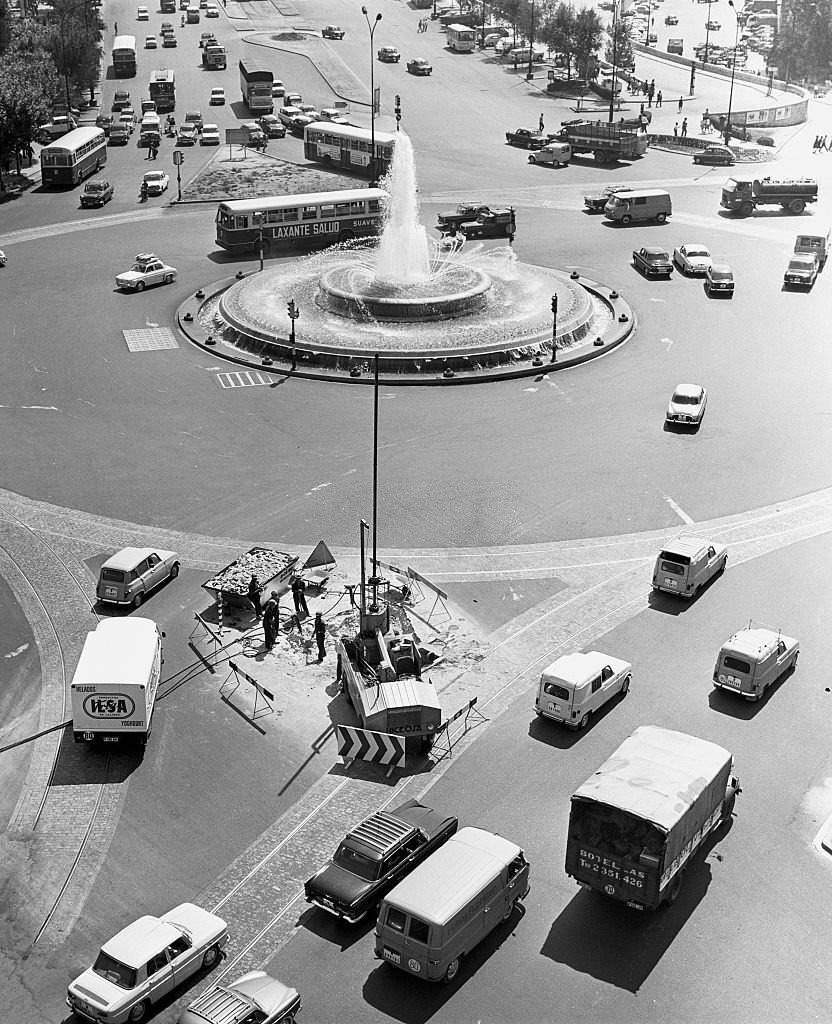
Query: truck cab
[(754, 658)]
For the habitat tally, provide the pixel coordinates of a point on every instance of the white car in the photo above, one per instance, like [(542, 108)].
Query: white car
[(156, 181), (142, 14), (278, 88), (288, 114), (150, 43), (210, 135), (692, 258), (253, 999), (217, 97), (144, 962), (147, 270), (687, 405), (212, 11)]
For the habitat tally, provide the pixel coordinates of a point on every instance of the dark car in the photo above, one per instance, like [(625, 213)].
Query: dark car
[(332, 32), (299, 122), (119, 135), (105, 121), (720, 156), (96, 193), (419, 66), (389, 55), (272, 127), (652, 261), (375, 856)]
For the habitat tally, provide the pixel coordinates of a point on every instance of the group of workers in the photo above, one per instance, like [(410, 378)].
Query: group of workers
[(270, 613)]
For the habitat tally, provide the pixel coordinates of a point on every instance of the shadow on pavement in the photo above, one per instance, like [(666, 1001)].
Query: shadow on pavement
[(328, 928), (85, 764), (734, 706), (554, 734)]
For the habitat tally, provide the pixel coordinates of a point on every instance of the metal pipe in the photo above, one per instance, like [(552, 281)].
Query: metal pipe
[(374, 579), (372, 27)]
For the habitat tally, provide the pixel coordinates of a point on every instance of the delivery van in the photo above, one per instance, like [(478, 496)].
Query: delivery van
[(449, 903), (639, 205), (575, 686), (555, 154), (687, 564), (113, 691), (754, 658), (816, 243)]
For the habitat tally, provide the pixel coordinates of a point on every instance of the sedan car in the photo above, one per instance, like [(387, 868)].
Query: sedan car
[(186, 135), (299, 122), (287, 114), (144, 961), (217, 97), (254, 133), (332, 32), (121, 99), (720, 156), (292, 99), (169, 40), (713, 26), (719, 278), (104, 121), (156, 181), (374, 857), (419, 66), (142, 14), (150, 42), (671, 19), (147, 270), (389, 55), (802, 270), (687, 405), (212, 11), (210, 135), (255, 998), (692, 258), (652, 261), (272, 126), (278, 88), (119, 135), (96, 193)]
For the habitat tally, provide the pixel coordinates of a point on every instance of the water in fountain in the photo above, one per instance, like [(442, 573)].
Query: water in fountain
[(403, 255)]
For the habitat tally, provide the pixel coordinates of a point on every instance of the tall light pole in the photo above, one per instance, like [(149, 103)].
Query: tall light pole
[(707, 34), (371, 25), (529, 72), (614, 57), (741, 18)]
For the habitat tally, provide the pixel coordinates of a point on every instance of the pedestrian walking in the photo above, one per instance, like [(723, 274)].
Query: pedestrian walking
[(641, 111), (681, 103), (271, 619), (823, 145), (684, 127), (320, 636), (676, 130), (659, 98), (254, 595), (155, 149), (143, 192), (115, 27), (540, 124), (299, 595), (642, 121), (816, 144), (652, 89)]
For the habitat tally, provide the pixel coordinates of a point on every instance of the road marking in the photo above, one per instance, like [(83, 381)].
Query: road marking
[(680, 512), (243, 379), (45, 408), (150, 339)]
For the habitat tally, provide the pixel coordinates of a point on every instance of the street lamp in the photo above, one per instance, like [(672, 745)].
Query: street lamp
[(371, 25), (294, 313), (554, 328), (707, 34), (529, 72), (614, 57), (741, 17)]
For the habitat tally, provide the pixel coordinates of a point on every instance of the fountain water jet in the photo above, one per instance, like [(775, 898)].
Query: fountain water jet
[(403, 254)]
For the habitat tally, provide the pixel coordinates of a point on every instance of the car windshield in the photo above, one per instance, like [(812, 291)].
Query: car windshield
[(685, 398), (95, 186), (357, 863), (694, 253), (113, 971), (153, 176), (657, 257), (799, 264), (721, 275)]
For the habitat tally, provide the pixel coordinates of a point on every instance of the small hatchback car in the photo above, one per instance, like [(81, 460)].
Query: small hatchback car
[(130, 575)]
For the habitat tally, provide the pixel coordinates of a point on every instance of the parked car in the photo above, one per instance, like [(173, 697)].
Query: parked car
[(720, 156), (146, 960), (719, 278), (147, 270), (652, 261), (127, 577), (375, 856), (59, 126), (210, 135), (687, 405), (389, 55), (419, 66), (332, 32), (96, 193), (217, 97), (272, 126), (692, 258), (255, 998)]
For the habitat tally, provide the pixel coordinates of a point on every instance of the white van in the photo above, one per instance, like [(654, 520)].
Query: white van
[(685, 565), (449, 903), (555, 154), (754, 658), (639, 205), (577, 685)]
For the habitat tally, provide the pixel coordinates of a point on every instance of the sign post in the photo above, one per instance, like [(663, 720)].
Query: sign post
[(178, 159)]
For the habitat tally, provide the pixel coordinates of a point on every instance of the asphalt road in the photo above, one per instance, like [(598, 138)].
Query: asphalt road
[(152, 438)]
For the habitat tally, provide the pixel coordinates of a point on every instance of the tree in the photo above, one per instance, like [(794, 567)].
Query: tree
[(558, 32), (27, 85), (75, 43), (5, 26), (588, 36), (619, 50)]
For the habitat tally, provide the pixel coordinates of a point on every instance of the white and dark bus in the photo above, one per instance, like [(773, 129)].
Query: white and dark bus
[(74, 156), (124, 56), (344, 145)]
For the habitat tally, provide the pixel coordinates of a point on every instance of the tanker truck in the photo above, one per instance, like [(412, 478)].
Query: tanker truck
[(744, 197), (635, 824)]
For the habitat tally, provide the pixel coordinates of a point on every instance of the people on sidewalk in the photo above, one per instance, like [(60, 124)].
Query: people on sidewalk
[(320, 636), (271, 619)]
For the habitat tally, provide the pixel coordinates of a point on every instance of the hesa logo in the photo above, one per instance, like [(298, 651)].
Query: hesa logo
[(109, 705)]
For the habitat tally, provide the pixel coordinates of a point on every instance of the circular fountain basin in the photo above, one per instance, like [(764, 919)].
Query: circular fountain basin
[(357, 293)]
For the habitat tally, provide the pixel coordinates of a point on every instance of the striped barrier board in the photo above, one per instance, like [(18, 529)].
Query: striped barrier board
[(365, 745)]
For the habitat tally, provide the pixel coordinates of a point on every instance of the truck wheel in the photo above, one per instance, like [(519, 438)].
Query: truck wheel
[(797, 206), (675, 888), (600, 156), (626, 218), (210, 957), (139, 1012), (746, 209), (452, 971), (661, 218)]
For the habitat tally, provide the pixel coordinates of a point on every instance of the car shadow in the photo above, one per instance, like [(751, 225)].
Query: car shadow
[(735, 706), (555, 734), (332, 930), (670, 604), (681, 428)]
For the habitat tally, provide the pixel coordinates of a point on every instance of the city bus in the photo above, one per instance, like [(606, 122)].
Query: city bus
[(256, 87), (162, 89), (124, 57), (75, 156), (304, 221), (346, 146), (461, 38)]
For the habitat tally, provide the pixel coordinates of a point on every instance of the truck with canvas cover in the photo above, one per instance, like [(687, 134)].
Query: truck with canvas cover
[(113, 691), (635, 824), (743, 196), (606, 142)]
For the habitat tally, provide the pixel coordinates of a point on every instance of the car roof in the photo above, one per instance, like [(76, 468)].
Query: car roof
[(721, 268), (380, 833), (129, 558), (693, 390), (754, 641), (135, 944), (694, 245), (579, 667), (655, 250)]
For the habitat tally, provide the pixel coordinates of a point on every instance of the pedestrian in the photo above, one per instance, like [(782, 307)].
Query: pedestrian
[(155, 150), (143, 191), (659, 98), (676, 130), (643, 123), (115, 27), (641, 111), (299, 596), (320, 636), (681, 103), (645, 88), (823, 145), (649, 99), (271, 619), (540, 124), (254, 596), (684, 127), (816, 144), (652, 88)]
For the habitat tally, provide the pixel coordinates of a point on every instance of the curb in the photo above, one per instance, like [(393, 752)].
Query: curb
[(623, 325)]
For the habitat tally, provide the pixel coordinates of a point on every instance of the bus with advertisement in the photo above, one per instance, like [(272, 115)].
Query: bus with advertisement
[(461, 38), (344, 145), (124, 57), (256, 87), (75, 156), (162, 89), (310, 220)]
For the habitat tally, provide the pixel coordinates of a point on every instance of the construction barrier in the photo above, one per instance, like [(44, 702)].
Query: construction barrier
[(201, 633), (239, 676), (444, 732), (364, 745)]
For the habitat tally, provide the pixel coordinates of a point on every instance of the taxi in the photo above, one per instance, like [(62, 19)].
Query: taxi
[(147, 270)]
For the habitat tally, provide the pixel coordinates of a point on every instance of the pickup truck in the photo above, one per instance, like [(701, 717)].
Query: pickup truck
[(596, 201), (463, 212), (527, 138)]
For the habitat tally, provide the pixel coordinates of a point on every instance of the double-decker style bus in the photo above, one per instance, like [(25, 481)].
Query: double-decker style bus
[(162, 89), (124, 57), (288, 223), (75, 156), (347, 146), (461, 38), (256, 87)]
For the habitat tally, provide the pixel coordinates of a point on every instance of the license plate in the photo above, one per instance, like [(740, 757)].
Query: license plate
[(109, 591), (554, 707), (670, 583), (731, 681), (110, 739), (394, 958)]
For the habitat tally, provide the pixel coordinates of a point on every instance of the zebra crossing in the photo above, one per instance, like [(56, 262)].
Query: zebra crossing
[(244, 379)]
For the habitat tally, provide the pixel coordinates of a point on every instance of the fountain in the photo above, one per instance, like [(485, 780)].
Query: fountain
[(390, 299)]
